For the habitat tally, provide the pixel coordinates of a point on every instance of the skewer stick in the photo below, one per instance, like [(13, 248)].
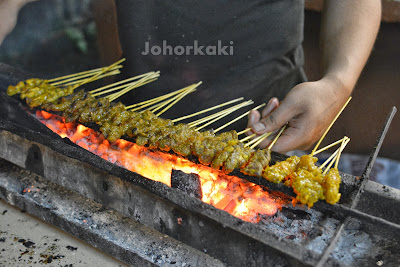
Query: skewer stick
[(247, 138), (223, 114), (329, 146), (145, 80), (329, 127), (329, 159), (114, 96), (111, 73), (340, 152), (332, 158), (101, 89), (244, 131), (258, 138), (340, 149), (238, 118), (218, 114), (166, 102), (178, 99), (104, 70), (112, 89), (208, 109), (80, 77), (130, 87), (276, 138), (155, 100), (330, 164), (75, 74)]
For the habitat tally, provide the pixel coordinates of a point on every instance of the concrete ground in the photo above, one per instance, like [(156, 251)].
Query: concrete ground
[(28, 241)]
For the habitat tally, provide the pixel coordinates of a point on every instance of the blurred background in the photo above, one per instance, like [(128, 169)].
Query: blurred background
[(57, 37)]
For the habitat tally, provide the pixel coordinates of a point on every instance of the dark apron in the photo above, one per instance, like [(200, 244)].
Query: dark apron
[(263, 55)]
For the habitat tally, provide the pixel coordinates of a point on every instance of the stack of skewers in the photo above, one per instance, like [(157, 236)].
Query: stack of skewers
[(141, 122)]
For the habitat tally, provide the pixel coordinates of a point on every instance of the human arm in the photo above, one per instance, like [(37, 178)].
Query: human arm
[(348, 32), (8, 15)]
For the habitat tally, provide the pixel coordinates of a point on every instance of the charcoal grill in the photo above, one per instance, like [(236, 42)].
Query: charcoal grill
[(143, 222)]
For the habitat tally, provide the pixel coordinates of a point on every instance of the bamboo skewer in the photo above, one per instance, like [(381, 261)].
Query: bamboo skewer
[(208, 109), (218, 114), (329, 146), (154, 100), (145, 80), (276, 138), (79, 82), (340, 152), (104, 70), (247, 138), (102, 90), (178, 99), (331, 163), (244, 131), (174, 99), (238, 118), (75, 74), (258, 138), (156, 107), (224, 114), (329, 127), (264, 136), (80, 77), (331, 159)]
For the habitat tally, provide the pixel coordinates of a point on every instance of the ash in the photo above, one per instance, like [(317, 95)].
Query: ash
[(301, 225)]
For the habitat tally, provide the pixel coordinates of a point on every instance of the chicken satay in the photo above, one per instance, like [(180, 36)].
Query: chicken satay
[(332, 184), (222, 156), (281, 170), (259, 160), (237, 158), (305, 185)]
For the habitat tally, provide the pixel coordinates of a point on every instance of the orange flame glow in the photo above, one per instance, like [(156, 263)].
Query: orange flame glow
[(239, 197)]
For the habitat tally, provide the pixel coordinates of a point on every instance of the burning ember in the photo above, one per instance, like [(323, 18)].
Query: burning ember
[(240, 198)]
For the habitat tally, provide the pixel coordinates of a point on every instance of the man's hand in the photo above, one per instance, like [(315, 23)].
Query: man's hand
[(349, 30), (309, 108)]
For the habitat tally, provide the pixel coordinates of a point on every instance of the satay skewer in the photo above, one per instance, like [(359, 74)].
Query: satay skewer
[(237, 118), (78, 78), (95, 77), (247, 137), (334, 155), (188, 89), (337, 157), (78, 74), (218, 114), (113, 87), (145, 80), (208, 109), (146, 103), (178, 99), (244, 131), (329, 146), (340, 152), (79, 82), (263, 136), (276, 138), (329, 127), (224, 114), (256, 141)]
